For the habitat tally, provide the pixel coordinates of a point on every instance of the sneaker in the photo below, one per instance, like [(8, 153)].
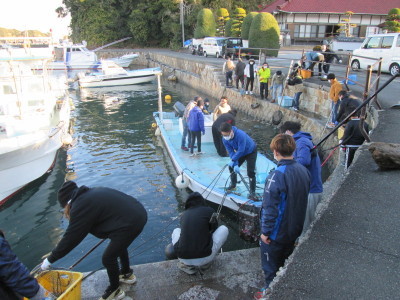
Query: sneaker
[(198, 153), (206, 266), (185, 148), (128, 278), (247, 92), (251, 93), (192, 155), (191, 270), (113, 295), (231, 188), (262, 294), (330, 125)]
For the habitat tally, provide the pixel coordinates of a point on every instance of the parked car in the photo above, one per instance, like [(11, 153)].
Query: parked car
[(213, 46), (385, 46), (235, 47)]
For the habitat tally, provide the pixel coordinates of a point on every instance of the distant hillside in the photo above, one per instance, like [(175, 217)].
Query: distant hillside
[(5, 32)]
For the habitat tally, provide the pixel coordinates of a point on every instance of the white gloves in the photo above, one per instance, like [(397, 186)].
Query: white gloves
[(340, 61), (45, 265)]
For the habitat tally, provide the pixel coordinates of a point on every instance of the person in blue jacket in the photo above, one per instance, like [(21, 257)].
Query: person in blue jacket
[(283, 208), (196, 126), (15, 280), (241, 148), (306, 155)]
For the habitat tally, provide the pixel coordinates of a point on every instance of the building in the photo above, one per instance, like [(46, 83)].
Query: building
[(311, 21)]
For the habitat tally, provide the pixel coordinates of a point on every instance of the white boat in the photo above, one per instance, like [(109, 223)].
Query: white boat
[(202, 172), (34, 121), (77, 56), (113, 75)]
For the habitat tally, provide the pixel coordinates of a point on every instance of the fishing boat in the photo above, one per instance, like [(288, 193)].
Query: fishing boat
[(34, 123), (208, 173), (112, 74), (77, 56)]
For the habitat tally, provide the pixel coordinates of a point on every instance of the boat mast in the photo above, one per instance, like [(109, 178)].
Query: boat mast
[(159, 89)]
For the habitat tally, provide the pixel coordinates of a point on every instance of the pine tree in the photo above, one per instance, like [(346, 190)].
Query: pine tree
[(392, 23), (222, 18), (237, 20)]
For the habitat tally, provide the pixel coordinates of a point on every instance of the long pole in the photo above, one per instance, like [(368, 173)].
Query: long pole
[(357, 109), (159, 96)]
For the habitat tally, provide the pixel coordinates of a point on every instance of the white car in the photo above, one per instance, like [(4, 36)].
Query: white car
[(385, 46)]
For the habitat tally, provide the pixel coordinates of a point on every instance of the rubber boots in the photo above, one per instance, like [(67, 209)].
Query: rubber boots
[(232, 186), (252, 188)]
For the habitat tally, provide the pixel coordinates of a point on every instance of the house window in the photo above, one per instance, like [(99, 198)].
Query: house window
[(355, 31), (310, 31)]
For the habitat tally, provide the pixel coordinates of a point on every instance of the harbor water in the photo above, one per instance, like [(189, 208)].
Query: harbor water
[(114, 146)]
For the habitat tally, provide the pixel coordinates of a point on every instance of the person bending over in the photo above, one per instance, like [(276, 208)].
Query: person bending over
[(107, 214)]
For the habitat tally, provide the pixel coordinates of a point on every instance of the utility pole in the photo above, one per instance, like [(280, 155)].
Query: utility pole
[(182, 23)]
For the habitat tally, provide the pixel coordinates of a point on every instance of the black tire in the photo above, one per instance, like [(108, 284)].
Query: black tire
[(394, 69), (217, 55), (355, 65)]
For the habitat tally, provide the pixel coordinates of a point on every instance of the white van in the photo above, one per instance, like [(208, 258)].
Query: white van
[(213, 46), (386, 46)]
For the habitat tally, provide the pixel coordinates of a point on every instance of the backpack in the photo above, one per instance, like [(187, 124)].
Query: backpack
[(230, 66)]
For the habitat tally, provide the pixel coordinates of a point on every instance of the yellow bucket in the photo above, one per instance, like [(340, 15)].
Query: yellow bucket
[(64, 284), (305, 73), (340, 132)]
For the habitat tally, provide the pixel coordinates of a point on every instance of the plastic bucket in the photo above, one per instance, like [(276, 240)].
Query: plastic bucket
[(351, 79), (305, 73)]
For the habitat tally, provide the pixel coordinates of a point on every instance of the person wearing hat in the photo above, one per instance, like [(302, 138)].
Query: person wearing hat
[(198, 240), (107, 214)]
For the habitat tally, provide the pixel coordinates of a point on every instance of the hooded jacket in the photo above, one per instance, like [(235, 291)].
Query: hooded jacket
[(224, 118), (278, 79), (195, 240), (14, 276), (336, 87), (347, 106), (101, 211), (305, 155), (285, 202), (240, 145), (196, 120)]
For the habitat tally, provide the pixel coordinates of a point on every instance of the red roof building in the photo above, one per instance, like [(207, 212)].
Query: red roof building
[(315, 20)]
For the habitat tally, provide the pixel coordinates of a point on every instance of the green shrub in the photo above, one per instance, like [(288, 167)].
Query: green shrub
[(205, 25), (228, 28), (392, 23), (247, 24), (264, 33)]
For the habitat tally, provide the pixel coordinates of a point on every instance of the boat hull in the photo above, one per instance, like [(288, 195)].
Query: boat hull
[(22, 165), (126, 80)]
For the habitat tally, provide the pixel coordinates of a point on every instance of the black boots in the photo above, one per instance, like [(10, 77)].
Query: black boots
[(252, 195), (232, 186)]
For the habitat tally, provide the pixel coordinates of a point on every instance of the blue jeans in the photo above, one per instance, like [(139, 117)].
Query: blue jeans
[(184, 133), (277, 91), (335, 110), (228, 76), (296, 100), (273, 256)]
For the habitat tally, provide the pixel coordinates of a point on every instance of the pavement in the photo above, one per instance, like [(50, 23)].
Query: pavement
[(352, 251)]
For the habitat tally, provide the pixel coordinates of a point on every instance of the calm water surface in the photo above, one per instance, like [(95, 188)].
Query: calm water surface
[(114, 147)]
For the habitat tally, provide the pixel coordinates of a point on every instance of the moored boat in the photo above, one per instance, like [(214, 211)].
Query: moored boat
[(34, 121), (208, 173), (113, 75)]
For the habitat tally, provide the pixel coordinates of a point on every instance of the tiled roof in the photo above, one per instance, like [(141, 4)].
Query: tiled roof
[(373, 7)]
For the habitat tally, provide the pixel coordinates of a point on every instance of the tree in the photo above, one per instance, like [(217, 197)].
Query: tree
[(205, 25), (264, 33), (228, 28), (222, 18), (392, 23), (237, 20), (346, 24), (247, 24)]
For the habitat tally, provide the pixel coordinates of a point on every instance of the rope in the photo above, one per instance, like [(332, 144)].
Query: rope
[(329, 156)]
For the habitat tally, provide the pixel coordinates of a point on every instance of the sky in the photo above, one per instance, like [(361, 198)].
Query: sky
[(33, 14)]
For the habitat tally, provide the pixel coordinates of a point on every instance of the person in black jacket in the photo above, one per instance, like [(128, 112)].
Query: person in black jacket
[(198, 240), (347, 105), (105, 213), (15, 280), (353, 137), (228, 117)]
